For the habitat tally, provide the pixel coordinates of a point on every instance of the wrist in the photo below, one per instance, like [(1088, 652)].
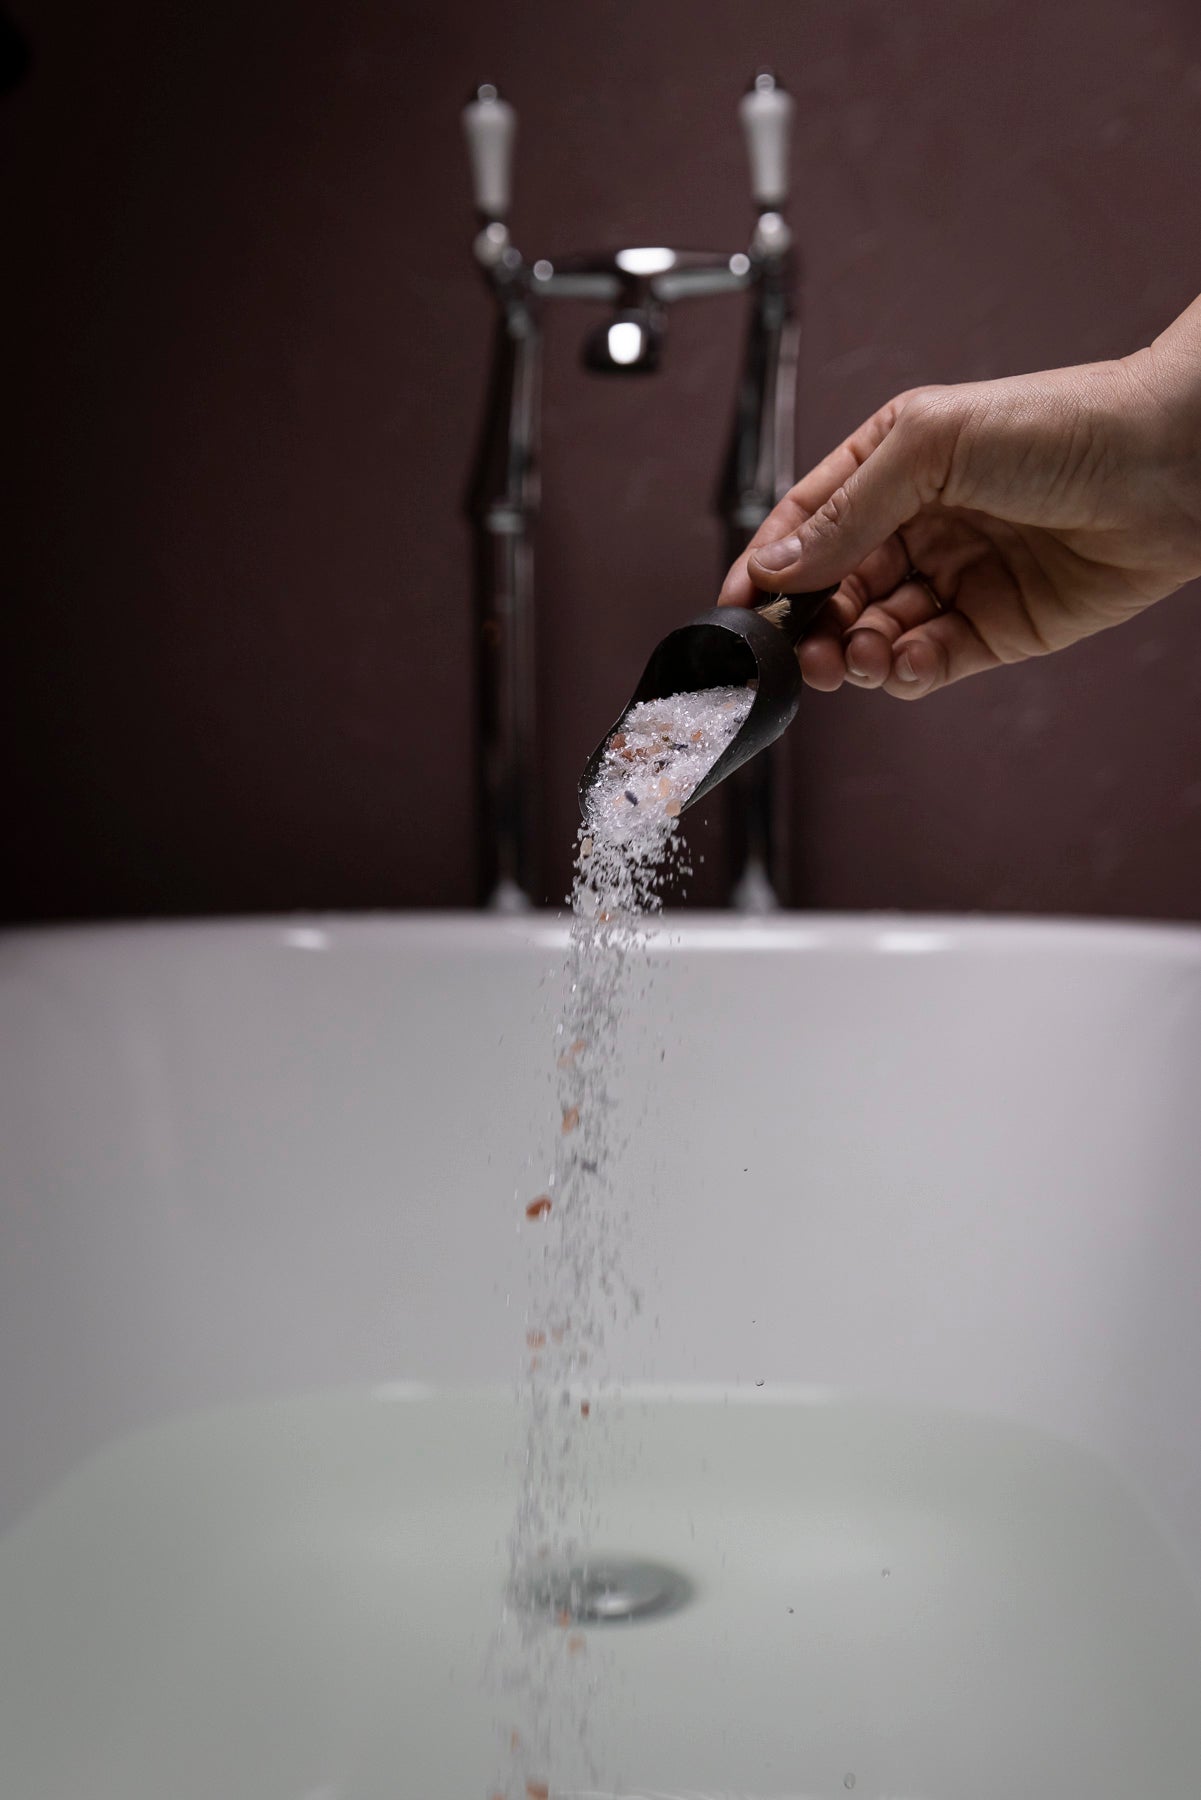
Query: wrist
[(1165, 380), (1159, 391)]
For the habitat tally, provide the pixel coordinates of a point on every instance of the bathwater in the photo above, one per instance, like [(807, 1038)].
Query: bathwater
[(291, 1601)]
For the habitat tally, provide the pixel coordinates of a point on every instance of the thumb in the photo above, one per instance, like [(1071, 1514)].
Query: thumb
[(874, 502)]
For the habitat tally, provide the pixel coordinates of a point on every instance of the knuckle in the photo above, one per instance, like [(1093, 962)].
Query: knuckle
[(930, 429), (928, 409), (829, 518)]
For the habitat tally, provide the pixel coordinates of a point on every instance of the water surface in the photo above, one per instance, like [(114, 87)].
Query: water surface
[(295, 1601)]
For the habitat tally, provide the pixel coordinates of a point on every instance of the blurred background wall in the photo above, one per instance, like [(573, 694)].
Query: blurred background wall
[(245, 350)]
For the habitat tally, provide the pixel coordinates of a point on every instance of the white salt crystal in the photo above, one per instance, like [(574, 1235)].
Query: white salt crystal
[(579, 1283), (661, 754)]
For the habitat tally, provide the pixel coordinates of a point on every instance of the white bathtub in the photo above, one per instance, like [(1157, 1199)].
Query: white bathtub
[(927, 1164)]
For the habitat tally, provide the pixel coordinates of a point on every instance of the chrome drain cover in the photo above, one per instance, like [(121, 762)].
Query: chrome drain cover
[(608, 1591)]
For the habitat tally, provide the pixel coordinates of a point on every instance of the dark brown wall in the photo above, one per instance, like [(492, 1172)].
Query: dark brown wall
[(245, 351)]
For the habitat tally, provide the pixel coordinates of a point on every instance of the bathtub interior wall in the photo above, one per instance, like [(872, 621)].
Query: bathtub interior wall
[(942, 1163)]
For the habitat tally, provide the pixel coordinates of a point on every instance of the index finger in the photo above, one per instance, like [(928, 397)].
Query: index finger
[(810, 493)]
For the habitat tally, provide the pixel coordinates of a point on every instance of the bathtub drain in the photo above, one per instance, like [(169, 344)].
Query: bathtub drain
[(608, 1592)]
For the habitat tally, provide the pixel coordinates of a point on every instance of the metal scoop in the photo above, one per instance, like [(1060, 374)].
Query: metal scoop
[(727, 647)]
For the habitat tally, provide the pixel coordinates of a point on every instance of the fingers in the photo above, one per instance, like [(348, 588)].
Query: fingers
[(843, 524), (905, 470), (823, 650), (868, 650), (907, 646), (810, 493), (822, 664), (868, 658), (820, 651), (738, 589), (857, 518), (943, 650), (903, 644), (836, 469)]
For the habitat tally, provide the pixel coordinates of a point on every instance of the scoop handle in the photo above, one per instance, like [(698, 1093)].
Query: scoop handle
[(793, 614)]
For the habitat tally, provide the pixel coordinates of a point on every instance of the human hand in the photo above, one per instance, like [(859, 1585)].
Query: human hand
[(978, 525)]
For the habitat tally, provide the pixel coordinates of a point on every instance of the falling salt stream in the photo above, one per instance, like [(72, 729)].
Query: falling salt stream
[(579, 1287), (287, 1595)]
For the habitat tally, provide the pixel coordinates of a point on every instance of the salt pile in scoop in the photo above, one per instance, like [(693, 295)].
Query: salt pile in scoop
[(661, 754)]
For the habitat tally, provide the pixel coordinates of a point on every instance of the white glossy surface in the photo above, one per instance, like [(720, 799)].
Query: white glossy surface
[(297, 1599), (943, 1164), (767, 121), (490, 127)]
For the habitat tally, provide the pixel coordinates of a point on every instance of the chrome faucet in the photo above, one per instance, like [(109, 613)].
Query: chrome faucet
[(640, 283)]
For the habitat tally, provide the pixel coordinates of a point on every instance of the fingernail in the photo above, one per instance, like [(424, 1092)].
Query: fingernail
[(855, 661), (905, 668), (778, 555)]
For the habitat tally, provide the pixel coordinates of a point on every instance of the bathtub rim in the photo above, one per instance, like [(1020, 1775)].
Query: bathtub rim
[(810, 933)]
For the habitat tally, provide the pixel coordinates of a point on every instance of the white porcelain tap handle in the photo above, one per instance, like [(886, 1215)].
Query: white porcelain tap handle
[(490, 125), (766, 113)]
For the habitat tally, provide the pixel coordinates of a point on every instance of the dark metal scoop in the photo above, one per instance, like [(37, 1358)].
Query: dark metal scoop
[(727, 647)]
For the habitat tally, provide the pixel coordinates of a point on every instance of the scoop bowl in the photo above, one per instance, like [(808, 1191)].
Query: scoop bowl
[(727, 647)]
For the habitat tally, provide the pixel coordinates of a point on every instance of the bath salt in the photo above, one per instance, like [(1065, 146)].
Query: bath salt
[(580, 1289), (659, 756)]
